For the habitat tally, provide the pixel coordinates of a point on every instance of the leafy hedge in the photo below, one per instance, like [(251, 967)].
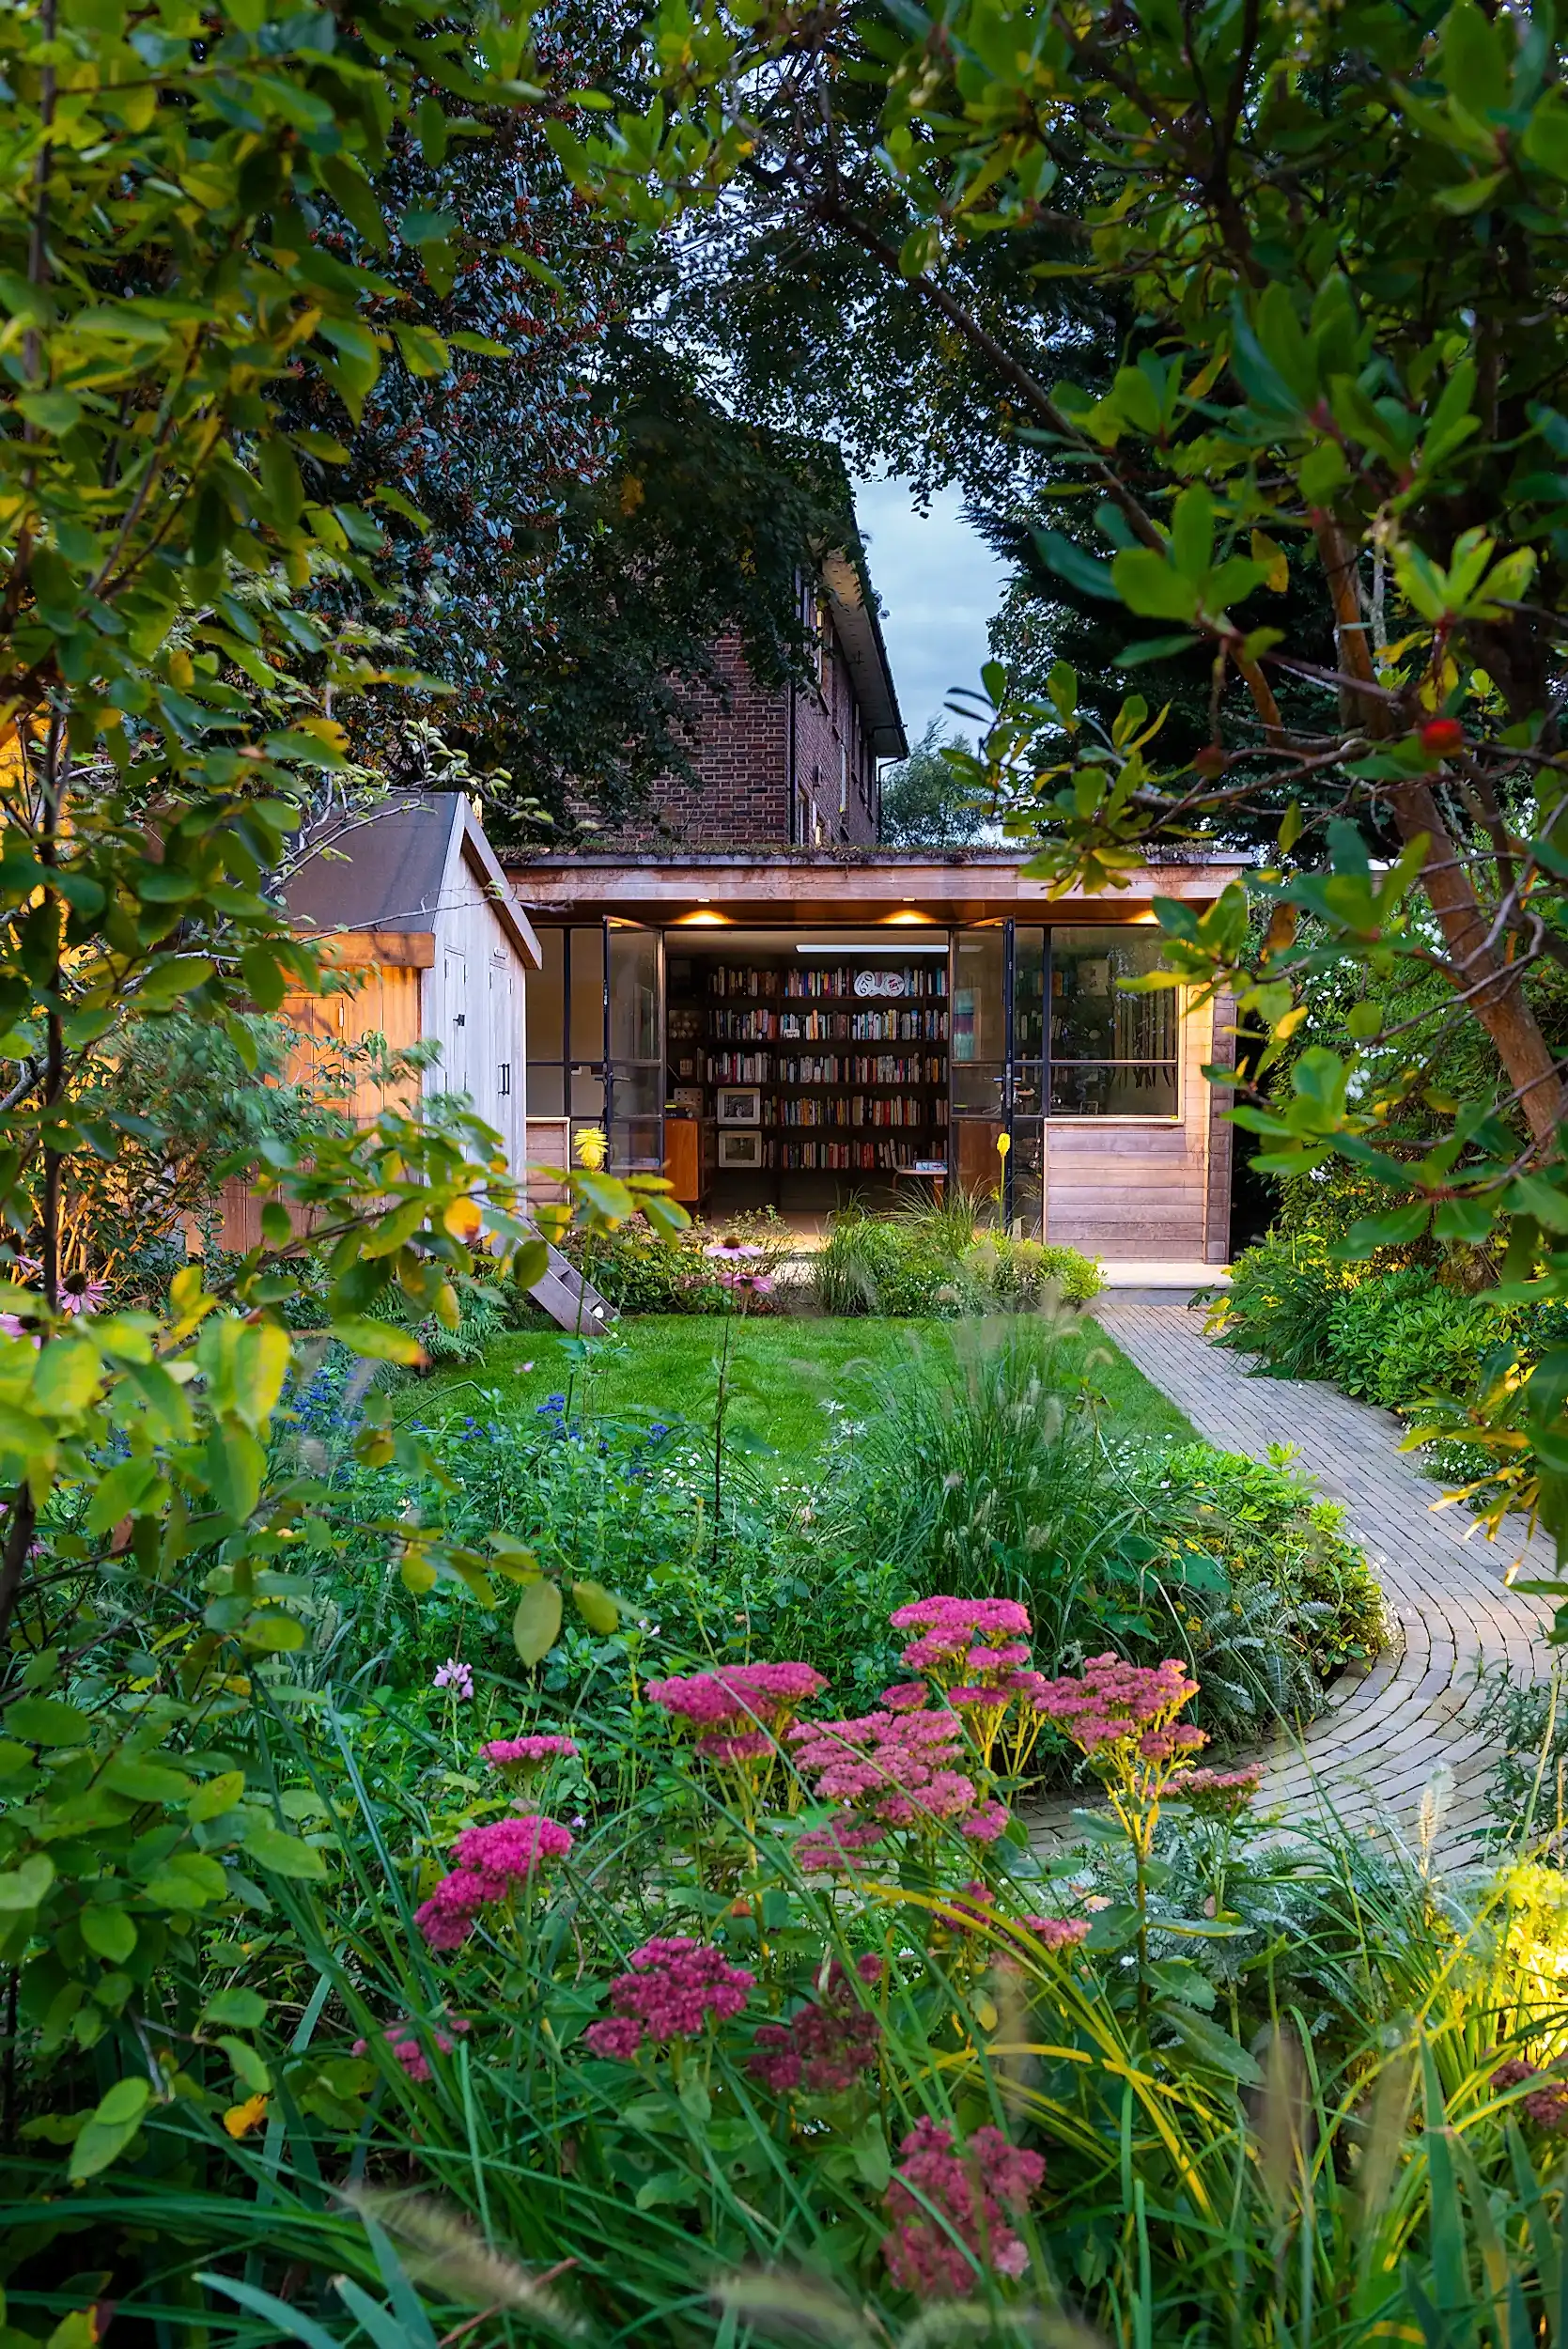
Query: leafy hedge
[(1404, 1337), (936, 1264)]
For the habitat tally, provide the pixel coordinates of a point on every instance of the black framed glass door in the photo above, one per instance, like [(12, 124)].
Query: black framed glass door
[(997, 1063), (634, 1046)]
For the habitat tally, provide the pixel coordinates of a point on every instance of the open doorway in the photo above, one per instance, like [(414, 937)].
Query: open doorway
[(813, 1064)]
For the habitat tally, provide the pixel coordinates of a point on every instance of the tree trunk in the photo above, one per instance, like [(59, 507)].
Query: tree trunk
[(1498, 998)]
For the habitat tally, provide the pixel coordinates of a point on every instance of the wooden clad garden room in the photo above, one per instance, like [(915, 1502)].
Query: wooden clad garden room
[(777, 1028)]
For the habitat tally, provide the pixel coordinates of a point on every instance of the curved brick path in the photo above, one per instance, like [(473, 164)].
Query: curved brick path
[(1388, 1730)]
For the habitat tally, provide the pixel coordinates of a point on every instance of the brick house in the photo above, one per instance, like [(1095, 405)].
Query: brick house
[(754, 998), (794, 765)]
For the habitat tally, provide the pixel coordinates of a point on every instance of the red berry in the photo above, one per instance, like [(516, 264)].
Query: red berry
[(1442, 737)]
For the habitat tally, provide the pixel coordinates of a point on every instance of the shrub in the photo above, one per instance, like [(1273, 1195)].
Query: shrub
[(991, 1470), (931, 1263), (638, 1271)]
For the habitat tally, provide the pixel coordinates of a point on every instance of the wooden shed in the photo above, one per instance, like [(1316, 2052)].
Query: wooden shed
[(412, 897)]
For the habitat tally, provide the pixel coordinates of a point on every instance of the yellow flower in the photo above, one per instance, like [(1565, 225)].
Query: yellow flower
[(240, 2119), (592, 1147)]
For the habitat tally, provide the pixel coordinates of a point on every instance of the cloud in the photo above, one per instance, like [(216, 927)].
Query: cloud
[(939, 584)]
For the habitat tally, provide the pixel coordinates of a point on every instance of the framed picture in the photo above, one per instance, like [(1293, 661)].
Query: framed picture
[(740, 1105), (689, 1101), (740, 1146)]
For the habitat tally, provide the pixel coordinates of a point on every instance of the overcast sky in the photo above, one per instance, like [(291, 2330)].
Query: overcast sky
[(940, 583)]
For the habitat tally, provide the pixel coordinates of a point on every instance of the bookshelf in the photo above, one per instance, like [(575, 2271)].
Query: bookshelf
[(846, 1059)]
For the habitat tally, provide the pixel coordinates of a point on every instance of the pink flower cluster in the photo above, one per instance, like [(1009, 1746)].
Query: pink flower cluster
[(674, 1989), (1117, 1704), (957, 1636), (1221, 1794), (837, 1850), (825, 2048), (741, 1708), (974, 1909), (901, 1766), (491, 1861), (1546, 2105), (977, 2189), (520, 1754), (400, 2038)]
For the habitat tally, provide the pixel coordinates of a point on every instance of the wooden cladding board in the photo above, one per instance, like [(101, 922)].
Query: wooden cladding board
[(1136, 1189)]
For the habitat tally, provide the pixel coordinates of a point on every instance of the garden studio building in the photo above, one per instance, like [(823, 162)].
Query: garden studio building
[(410, 899), (748, 993)]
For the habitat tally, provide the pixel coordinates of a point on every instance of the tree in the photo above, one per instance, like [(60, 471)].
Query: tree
[(1318, 393), (571, 518), (166, 697), (925, 803)]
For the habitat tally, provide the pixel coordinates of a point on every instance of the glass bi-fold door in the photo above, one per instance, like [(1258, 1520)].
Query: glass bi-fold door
[(1045, 1023), (996, 1063), (635, 1047)]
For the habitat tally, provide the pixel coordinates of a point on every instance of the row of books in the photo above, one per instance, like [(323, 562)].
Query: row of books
[(831, 979), (829, 1027), (845, 1158), (863, 1068), (856, 1109)]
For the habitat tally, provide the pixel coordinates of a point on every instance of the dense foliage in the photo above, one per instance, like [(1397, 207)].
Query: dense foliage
[(1309, 417), (944, 1261)]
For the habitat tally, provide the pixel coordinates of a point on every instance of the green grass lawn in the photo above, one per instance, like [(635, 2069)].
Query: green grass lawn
[(785, 1370)]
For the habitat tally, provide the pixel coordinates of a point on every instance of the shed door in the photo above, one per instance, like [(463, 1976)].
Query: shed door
[(457, 1057), (996, 1056), (634, 1046)]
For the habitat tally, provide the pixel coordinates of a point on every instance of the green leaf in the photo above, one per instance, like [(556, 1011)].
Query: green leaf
[(24, 1888), (218, 1795), (1069, 562), (598, 1609), (536, 1624), (246, 2009), (108, 1933), (379, 1340), (1209, 2047), (111, 2129), (285, 1855), (419, 228), (1397, 1228), (46, 1722), (249, 2069), (1530, 1194)]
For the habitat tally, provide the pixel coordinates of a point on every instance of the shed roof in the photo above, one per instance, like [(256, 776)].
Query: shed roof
[(394, 869)]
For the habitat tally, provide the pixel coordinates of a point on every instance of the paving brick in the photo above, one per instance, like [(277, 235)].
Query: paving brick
[(1391, 1730)]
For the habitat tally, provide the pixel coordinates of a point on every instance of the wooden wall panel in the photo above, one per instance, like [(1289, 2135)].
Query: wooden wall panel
[(1129, 1189), (388, 1004)]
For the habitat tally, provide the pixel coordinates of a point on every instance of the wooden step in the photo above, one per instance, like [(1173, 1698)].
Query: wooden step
[(572, 1303)]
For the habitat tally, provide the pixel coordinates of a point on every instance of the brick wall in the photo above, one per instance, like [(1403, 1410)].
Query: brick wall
[(742, 749)]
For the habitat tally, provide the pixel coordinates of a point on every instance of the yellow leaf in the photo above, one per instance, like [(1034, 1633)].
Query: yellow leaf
[(240, 2119), (462, 1219)]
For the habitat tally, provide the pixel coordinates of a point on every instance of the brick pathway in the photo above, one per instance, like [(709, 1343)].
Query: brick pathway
[(1388, 1730)]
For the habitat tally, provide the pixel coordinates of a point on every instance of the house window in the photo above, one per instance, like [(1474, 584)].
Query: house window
[(1112, 1053)]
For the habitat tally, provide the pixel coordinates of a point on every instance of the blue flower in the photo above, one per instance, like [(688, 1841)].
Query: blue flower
[(657, 1429)]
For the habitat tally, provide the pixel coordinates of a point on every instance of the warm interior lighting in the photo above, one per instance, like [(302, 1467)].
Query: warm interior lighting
[(910, 914), (869, 949), (702, 919)]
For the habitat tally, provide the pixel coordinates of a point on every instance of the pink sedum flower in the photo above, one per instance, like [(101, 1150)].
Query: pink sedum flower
[(827, 2047), (524, 1753), (492, 1861), (978, 2189), (675, 1990), (401, 2040)]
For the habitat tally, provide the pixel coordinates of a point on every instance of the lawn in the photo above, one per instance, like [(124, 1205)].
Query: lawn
[(785, 1371)]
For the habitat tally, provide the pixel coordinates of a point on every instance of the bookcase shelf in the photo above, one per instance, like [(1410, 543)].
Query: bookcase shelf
[(872, 1038)]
